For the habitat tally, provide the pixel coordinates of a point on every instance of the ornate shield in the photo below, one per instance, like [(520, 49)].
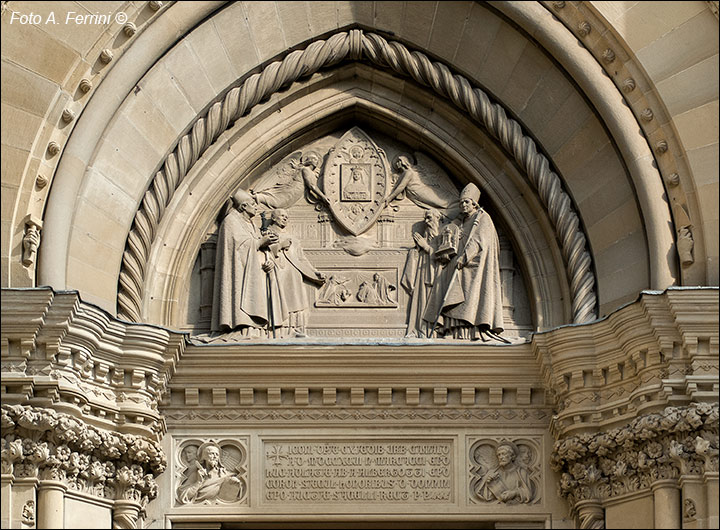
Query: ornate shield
[(356, 181)]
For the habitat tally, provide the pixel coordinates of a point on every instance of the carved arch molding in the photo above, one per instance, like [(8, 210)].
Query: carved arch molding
[(356, 45)]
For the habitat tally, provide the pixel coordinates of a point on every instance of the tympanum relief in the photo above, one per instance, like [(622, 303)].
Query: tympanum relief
[(335, 238)]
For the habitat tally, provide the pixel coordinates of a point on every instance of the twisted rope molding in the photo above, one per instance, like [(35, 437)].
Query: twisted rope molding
[(356, 45)]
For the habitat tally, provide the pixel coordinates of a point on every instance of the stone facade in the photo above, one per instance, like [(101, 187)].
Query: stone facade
[(341, 263)]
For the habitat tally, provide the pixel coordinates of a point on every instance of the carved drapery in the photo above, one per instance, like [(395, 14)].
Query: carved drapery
[(680, 441), (356, 45)]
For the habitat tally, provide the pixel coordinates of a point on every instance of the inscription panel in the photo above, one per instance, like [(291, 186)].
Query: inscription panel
[(358, 471)]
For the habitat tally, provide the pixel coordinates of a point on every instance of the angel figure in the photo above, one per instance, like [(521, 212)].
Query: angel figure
[(424, 183), (293, 179)]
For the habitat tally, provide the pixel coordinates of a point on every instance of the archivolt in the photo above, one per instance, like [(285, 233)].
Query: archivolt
[(356, 45)]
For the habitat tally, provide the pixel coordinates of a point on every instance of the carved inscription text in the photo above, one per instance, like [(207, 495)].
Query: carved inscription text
[(371, 471)]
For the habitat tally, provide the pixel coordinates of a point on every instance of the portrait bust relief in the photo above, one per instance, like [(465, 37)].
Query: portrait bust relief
[(211, 473), (504, 472)]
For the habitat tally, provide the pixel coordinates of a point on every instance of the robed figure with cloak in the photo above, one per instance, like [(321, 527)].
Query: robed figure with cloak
[(466, 299), (240, 302), (421, 269), (287, 290)]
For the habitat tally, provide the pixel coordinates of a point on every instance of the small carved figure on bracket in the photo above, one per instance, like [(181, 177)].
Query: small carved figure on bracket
[(466, 300), (31, 242), (287, 268), (421, 269), (685, 241), (209, 481), (424, 183), (508, 481), (28, 514)]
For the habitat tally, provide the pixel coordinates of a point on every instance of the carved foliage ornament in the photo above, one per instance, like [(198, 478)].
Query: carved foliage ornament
[(43, 443), (678, 441), (302, 63)]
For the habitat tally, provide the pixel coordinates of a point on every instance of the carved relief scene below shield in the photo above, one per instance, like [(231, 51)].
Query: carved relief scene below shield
[(357, 235), (365, 288)]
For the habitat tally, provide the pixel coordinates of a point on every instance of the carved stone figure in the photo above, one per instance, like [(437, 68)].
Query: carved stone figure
[(240, 302), (508, 481), (334, 292), (376, 292), (209, 480), (291, 181), (685, 245), (421, 269), (466, 299), (28, 513), (288, 266), (31, 242), (424, 183), (689, 510), (685, 240)]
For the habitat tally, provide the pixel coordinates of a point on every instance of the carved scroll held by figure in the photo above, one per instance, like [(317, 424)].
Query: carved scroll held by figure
[(466, 299), (421, 270), (507, 480), (240, 305), (208, 480), (288, 264), (424, 183), (377, 292), (291, 180)]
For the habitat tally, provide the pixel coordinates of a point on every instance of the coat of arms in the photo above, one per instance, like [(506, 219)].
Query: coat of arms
[(356, 181)]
